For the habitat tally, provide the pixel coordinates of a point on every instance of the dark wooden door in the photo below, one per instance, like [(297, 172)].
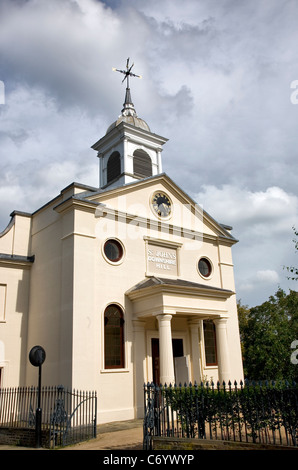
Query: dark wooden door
[(155, 360), (177, 352)]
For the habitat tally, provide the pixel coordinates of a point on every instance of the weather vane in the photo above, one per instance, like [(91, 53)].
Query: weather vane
[(128, 73)]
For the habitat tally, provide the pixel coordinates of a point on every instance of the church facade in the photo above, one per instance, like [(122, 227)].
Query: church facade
[(124, 284)]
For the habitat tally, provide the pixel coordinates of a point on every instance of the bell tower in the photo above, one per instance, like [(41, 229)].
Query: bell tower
[(129, 151)]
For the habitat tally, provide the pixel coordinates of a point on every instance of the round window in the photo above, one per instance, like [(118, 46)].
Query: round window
[(113, 250), (205, 267)]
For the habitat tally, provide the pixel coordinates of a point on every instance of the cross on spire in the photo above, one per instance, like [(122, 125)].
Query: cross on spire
[(128, 106), (128, 73)]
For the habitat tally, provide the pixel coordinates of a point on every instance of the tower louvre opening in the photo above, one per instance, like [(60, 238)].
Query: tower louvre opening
[(142, 165), (113, 167)]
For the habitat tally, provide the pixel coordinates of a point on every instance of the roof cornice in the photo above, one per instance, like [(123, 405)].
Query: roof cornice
[(16, 261), (130, 130), (162, 286)]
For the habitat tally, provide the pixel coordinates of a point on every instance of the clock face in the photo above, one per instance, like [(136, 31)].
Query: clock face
[(161, 204)]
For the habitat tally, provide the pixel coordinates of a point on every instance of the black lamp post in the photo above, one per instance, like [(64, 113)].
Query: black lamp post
[(37, 357)]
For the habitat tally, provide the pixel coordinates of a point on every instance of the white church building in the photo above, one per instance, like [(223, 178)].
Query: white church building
[(124, 284)]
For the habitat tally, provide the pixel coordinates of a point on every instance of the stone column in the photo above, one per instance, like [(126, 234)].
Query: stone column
[(101, 181), (159, 161), (124, 160), (222, 350), (194, 326), (166, 361), (139, 366)]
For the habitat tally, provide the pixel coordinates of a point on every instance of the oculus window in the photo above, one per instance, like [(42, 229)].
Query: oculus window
[(114, 337), (205, 267), (113, 250)]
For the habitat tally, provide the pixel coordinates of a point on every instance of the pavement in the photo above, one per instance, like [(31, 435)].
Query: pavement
[(119, 435)]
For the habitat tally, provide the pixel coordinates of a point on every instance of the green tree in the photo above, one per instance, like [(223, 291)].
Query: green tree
[(267, 332)]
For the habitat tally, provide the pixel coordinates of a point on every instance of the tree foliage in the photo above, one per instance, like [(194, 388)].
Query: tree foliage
[(267, 332)]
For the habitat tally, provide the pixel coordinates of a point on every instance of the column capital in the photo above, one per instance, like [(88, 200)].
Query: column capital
[(164, 317), (221, 321)]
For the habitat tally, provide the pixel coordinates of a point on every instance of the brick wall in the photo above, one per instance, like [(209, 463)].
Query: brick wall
[(21, 437)]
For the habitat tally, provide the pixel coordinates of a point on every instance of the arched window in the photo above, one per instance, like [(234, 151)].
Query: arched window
[(114, 337), (142, 165), (210, 343), (113, 167)]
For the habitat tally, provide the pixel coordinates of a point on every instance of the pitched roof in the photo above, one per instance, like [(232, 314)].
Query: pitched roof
[(158, 281)]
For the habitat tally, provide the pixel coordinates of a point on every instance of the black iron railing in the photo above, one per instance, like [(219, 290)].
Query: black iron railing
[(249, 412), (68, 415)]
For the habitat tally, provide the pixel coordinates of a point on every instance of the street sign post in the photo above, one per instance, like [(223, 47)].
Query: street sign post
[(37, 357)]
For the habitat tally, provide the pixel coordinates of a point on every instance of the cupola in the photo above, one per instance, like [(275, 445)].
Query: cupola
[(129, 151)]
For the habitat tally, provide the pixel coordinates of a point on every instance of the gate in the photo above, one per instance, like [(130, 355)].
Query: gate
[(67, 416), (73, 418)]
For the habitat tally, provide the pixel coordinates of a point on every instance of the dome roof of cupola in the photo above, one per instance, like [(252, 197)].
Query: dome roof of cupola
[(129, 115), (133, 120)]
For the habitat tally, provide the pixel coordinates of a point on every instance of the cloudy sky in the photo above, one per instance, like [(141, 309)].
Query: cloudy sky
[(219, 81)]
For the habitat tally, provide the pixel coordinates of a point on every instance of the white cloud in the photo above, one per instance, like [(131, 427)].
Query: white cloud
[(262, 222), (272, 210), (43, 150), (268, 275)]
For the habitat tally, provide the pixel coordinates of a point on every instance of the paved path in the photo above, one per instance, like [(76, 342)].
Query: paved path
[(125, 435), (120, 435)]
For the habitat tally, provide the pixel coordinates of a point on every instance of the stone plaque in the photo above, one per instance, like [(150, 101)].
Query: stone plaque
[(161, 260)]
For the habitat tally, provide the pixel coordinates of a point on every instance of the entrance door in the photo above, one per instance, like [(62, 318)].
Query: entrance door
[(177, 352)]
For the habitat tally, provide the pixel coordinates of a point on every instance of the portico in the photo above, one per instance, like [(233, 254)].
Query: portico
[(173, 302)]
